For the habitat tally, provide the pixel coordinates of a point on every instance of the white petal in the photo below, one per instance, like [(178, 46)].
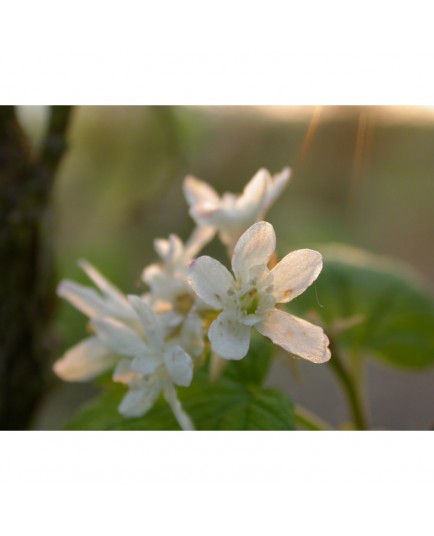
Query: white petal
[(255, 246), (161, 246), (229, 338), (260, 276), (253, 195), (179, 365), (183, 419), (151, 272), (84, 361), (198, 239), (167, 317), (276, 187), (85, 299), (152, 328), (191, 336), (197, 191), (140, 400), (207, 214), (102, 283), (210, 280), (294, 273), (146, 364), (123, 373), (296, 336), (118, 337), (176, 250)]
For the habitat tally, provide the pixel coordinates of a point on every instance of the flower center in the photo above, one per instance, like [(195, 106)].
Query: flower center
[(249, 301), (183, 303)]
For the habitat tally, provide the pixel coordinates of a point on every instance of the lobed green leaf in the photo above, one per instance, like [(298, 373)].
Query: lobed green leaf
[(372, 306)]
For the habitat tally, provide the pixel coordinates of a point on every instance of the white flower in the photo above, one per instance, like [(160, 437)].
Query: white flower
[(230, 214), (167, 280), (154, 363), (110, 301), (248, 299), (90, 358), (143, 348)]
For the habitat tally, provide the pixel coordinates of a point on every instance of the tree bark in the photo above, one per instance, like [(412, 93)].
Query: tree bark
[(27, 296)]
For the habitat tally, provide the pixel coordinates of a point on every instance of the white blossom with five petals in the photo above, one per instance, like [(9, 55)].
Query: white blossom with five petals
[(248, 297), (230, 215)]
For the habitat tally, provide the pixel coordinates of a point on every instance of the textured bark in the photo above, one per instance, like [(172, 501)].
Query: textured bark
[(26, 264)]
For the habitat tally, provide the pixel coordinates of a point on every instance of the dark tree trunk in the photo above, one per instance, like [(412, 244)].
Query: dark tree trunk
[(26, 263)]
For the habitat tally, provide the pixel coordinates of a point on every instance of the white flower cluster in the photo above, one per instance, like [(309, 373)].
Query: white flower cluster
[(153, 342)]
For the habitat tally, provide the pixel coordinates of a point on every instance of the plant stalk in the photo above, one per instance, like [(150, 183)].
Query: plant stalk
[(308, 420), (350, 388)]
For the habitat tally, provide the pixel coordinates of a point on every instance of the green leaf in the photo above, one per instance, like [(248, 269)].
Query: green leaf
[(372, 306), (227, 405), (102, 414), (252, 369)]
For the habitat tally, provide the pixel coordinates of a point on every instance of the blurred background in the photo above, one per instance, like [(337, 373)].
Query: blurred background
[(361, 175)]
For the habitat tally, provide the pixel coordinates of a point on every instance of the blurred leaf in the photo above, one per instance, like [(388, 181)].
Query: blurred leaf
[(225, 406), (228, 405), (373, 306), (253, 369), (102, 414)]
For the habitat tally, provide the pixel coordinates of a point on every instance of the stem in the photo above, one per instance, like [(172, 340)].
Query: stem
[(308, 420), (350, 388)]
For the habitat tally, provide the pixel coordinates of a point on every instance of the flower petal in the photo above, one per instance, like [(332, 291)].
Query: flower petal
[(118, 337), (210, 280), (151, 272), (123, 373), (152, 328), (84, 361), (85, 299), (146, 364), (295, 335), (175, 251), (191, 335), (229, 338), (251, 200), (102, 283), (295, 273), (140, 400), (198, 239), (255, 246), (196, 191), (276, 186), (183, 419), (179, 365), (161, 246)]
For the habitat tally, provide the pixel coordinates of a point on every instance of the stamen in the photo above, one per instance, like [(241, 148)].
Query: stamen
[(250, 301)]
